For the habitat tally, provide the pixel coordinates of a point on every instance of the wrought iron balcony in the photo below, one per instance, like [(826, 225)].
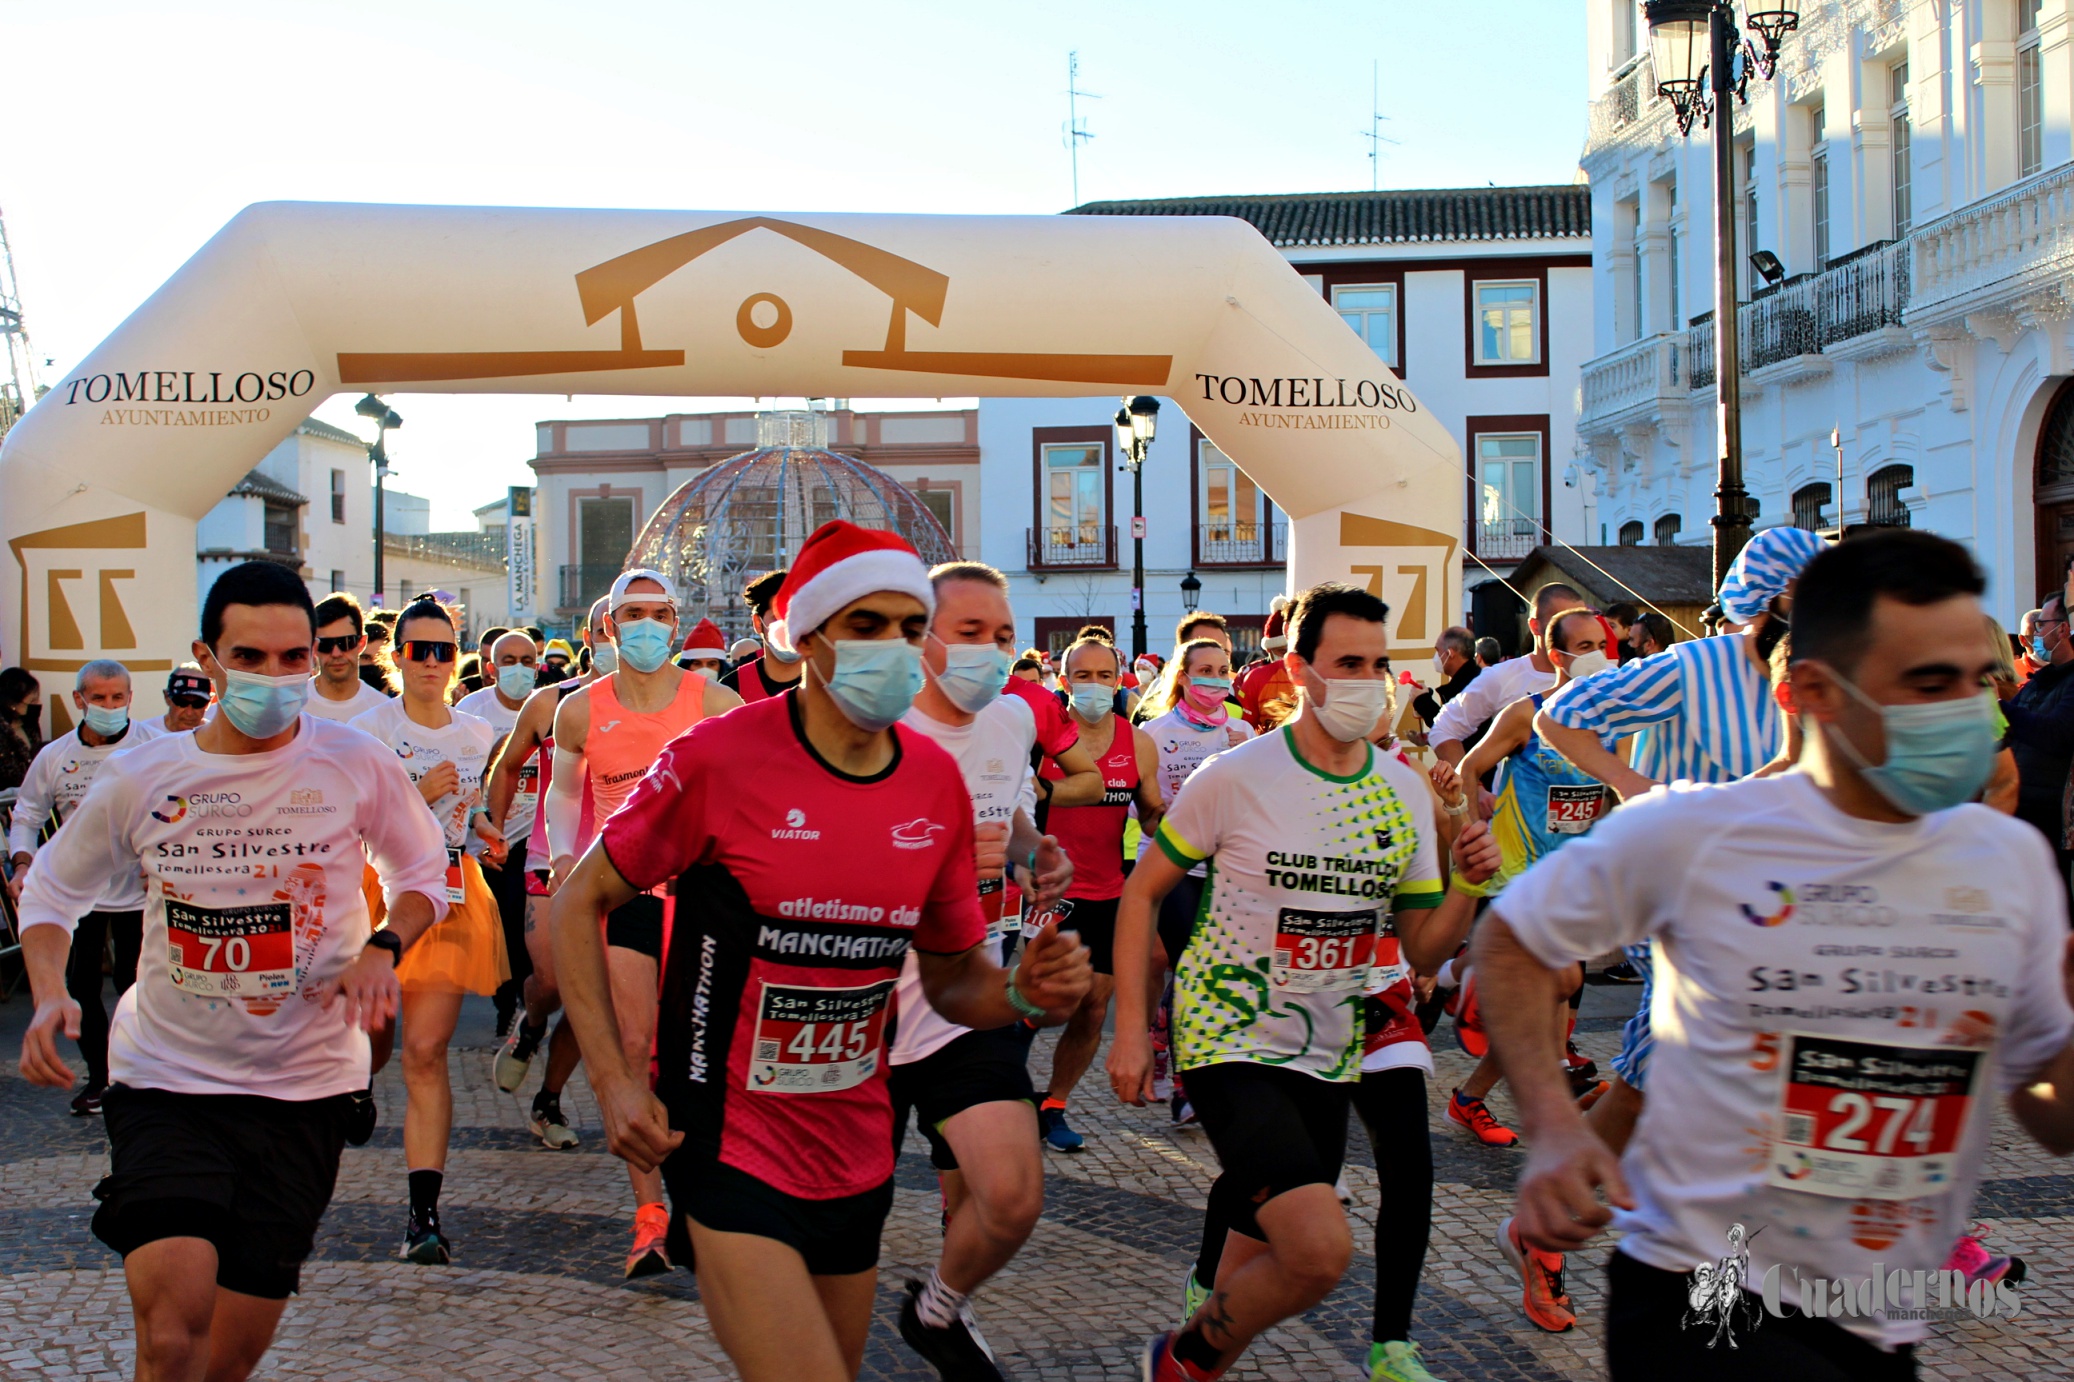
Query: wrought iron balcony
[(1081, 545), (1241, 544), (1507, 539), (1811, 314)]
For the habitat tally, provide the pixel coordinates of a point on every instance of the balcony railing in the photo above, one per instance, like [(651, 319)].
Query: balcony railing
[(1631, 99), (1508, 539), (2026, 231), (1076, 545), (582, 585), (1241, 544), (1634, 375), (1811, 314)]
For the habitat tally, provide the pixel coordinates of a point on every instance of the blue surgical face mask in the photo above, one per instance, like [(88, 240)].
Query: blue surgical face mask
[(1092, 700), (778, 654), (644, 644), (1939, 753), (875, 679), (107, 721), (516, 681), (1212, 683), (604, 658), (263, 706), (973, 674), (2039, 651)]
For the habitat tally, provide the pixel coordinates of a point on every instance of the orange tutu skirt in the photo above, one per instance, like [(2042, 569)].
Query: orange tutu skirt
[(462, 954)]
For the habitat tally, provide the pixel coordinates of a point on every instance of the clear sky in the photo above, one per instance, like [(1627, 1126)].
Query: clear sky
[(135, 130)]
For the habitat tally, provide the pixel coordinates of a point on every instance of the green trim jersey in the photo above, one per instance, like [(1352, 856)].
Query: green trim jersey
[(1305, 869)]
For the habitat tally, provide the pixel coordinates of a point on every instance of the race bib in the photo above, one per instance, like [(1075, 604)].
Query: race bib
[(528, 794), (814, 1040), (1860, 1120), (231, 952), (1571, 810), (1388, 967), (456, 885), (1316, 952)]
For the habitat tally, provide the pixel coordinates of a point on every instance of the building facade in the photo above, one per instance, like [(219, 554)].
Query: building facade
[(1911, 172), (309, 504)]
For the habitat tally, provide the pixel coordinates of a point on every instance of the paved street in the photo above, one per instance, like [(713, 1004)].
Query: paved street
[(535, 1289)]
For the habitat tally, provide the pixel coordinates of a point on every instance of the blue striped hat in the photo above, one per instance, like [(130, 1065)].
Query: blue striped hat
[(1763, 569)]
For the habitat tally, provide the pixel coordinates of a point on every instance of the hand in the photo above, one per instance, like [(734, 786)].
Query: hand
[(1130, 1067), (496, 847), (40, 1061), (1486, 803), (1234, 735), (990, 849), (20, 879), (637, 1126), (1055, 973), (1475, 853), (443, 781), (1631, 784), (558, 870), (1445, 780), (1557, 1209), (368, 987), (1054, 873)]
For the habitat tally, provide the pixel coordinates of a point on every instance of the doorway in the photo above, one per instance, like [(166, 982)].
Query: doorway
[(2053, 492)]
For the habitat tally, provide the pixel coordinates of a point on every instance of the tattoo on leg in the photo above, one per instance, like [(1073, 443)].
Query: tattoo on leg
[(1217, 1322)]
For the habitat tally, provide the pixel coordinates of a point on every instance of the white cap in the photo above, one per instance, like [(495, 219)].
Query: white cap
[(619, 595)]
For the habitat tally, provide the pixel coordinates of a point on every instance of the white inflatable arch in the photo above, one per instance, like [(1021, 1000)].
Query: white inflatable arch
[(102, 482)]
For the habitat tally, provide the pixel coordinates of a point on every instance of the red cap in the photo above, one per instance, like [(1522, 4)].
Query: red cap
[(706, 640), (839, 565)]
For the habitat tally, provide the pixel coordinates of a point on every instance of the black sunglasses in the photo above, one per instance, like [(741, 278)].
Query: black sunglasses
[(345, 643), (429, 650), (190, 702)]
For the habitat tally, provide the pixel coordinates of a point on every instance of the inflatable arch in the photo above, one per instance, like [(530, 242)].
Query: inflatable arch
[(102, 482)]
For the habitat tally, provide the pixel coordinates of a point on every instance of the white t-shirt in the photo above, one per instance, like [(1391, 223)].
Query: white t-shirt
[(1183, 745), (1816, 974), (463, 741), (993, 754), (58, 780), (525, 802), (365, 698), (253, 868)]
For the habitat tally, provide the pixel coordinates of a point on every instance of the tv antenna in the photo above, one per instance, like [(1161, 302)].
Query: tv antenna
[(1374, 133), (19, 387), (1076, 131)]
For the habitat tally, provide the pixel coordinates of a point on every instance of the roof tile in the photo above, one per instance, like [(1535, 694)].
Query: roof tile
[(1557, 211)]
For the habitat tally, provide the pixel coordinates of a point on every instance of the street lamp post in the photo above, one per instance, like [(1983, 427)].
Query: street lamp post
[(385, 418), (1700, 62), (1136, 423)]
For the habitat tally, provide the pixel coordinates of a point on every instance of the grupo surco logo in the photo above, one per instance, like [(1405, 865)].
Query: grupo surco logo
[(205, 805), (197, 395), (1316, 403)]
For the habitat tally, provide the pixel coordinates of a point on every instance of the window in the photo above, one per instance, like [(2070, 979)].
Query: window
[(1372, 313), (403, 591), (2030, 102), (938, 502), (1631, 533), (1904, 168), (1623, 32), (1507, 329), (1509, 486), (1637, 309), (338, 581), (280, 529), (1073, 488), (605, 530), (1234, 511), (1818, 188), (338, 497), (1667, 530), (1752, 241), (1674, 267), (1808, 503), (1883, 506)]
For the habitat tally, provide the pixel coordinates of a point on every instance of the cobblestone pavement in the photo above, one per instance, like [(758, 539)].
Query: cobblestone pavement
[(535, 1290)]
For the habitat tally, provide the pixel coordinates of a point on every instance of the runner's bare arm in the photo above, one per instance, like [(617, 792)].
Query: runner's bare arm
[(1427, 936), (2044, 1104), (1582, 748), (535, 719), (719, 699), (968, 988), (1082, 783), (1054, 871), (1510, 730), (45, 953), (1130, 1054), (71, 873), (1150, 807), (563, 804)]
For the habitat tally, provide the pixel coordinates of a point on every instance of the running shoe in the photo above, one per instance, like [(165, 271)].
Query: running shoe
[(1182, 1112), (1622, 973), (515, 1057), (650, 1255), (1339, 1188), (549, 1125), (1469, 1021), (1193, 1294), (360, 1117), (1397, 1360), (1157, 1363), (958, 1351), (1578, 1064), (87, 1102), (1589, 1096), (425, 1245), (1051, 1126), (1475, 1115), (1971, 1257), (1584, 1082), (1541, 1277)]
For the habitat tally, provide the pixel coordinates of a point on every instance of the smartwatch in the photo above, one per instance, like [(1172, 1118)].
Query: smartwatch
[(388, 940)]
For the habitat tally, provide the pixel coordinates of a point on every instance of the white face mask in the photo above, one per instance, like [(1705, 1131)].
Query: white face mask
[(1583, 665), (1439, 665), (1349, 709)]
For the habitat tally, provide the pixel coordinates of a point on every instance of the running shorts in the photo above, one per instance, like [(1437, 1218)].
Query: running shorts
[(837, 1237), (637, 926), (251, 1175), (987, 1067), (1637, 1039), (508, 891), (1095, 921), (1275, 1130), (1177, 916)]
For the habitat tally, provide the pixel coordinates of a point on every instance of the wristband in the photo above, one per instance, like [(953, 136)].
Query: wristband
[(1460, 808), (1031, 865), (1022, 1005), (388, 940)]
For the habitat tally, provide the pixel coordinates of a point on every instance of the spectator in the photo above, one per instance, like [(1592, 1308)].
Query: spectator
[(21, 725), (1621, 618), (1651, 634), (2026, 627), (1453, 659), (1488, 653), (1201, 623), (2005, 678), (2041, 727)]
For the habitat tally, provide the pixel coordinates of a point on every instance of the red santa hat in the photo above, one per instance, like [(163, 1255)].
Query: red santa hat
[(839, 565), (1275, 636), (705, 640)]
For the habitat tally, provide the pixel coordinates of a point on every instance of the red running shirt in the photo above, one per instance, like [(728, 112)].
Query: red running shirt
[(1092, 836), (1056, 731), (799, 890)]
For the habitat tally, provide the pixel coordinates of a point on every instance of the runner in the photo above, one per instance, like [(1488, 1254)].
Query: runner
[(56, 783), (187, 699), (443, 751), (785, 952), (1797, 1111), (606, 738), (970, 1090), (776, 670), (227, 1114), (1267, 681), (1298, 821), (1092, 837), (1462, 719), (513, 674), (342, 693), (705, 651)]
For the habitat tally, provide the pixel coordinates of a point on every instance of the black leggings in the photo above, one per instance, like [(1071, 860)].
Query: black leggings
[(83, 979), (508, 890)]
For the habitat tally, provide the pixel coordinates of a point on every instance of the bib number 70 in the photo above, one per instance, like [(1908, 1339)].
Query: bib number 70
[(236, 953)]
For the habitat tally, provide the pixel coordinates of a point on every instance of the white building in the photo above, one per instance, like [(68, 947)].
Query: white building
[(1911, 169), (308, 504)]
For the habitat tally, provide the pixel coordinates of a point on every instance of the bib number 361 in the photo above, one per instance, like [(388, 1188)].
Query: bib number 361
[(1320, 951), (1867, 1121)]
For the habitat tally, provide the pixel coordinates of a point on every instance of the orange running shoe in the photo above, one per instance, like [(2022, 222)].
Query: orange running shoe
[(649, 1256), (1474, 1115), (1469, 1021), (1541, 1275)]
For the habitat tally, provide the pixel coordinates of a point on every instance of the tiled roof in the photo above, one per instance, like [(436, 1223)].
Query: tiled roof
[(317, 428), (1561, 211), (1665, 575), (266, 487)]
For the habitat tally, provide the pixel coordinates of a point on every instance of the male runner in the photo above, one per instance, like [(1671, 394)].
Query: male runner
[(777, 669), (971, 1089), (1315, 837), (1834, 1105), (1496, 687), (57, 781), (341, 693), (1265, 684), (705, 651), (607, 736), (785, 950), (187, 699), (234, 1055), (511, 672)]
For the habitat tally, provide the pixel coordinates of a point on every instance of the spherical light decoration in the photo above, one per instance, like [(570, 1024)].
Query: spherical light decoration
[(749, 515)]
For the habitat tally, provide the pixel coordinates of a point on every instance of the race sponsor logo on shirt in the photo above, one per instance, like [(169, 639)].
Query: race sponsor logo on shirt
[(795, 827), (917, 834), (305, 801), (171, 811), (1785, 910)]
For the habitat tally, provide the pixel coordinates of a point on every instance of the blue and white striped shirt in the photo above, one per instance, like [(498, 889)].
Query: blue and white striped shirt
[(1705, 706)]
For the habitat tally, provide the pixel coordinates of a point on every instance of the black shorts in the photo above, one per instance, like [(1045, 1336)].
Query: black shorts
[(837, 1237), (1274, 1130), (508, 889), (637, 926), (1095, 923), (251, 1175), (1177, 911), (988, 1067)]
